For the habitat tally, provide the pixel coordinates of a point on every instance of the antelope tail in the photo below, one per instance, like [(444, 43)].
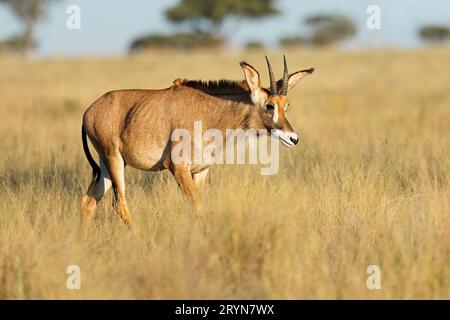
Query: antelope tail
[(87, 153)]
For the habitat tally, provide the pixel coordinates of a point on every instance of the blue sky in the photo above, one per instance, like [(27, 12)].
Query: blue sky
[(107, 27)]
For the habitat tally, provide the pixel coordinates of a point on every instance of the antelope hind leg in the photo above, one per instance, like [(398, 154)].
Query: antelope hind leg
[(116, 168), (185, 181), (199, 179), (97, 189)]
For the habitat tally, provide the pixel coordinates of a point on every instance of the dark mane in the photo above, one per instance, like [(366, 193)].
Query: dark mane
[(217, 87)]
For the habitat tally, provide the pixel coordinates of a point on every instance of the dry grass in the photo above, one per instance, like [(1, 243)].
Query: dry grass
[(370, 184)]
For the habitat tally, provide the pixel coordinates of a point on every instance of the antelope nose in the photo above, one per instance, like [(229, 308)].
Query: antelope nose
[(294, 139)]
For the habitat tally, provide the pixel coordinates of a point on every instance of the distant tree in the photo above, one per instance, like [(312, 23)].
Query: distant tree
[(254, 45), (29, 12), (435, 34), (207, 16), (180, 41), (14, 44), (330, 29), (292, 41)]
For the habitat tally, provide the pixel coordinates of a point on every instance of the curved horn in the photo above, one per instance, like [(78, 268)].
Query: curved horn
[(273, 83), (284, 85)]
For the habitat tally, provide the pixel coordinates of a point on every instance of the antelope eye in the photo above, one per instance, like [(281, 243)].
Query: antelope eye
[(270, 106)]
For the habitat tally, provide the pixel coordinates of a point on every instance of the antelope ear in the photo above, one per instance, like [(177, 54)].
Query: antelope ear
[(251, 77), (295, 77)]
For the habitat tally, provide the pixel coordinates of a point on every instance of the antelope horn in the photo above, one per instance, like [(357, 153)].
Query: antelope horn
[(273, 83), (284, 85)]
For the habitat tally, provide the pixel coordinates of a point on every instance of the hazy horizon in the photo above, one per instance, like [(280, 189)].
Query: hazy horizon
[(108, 28)]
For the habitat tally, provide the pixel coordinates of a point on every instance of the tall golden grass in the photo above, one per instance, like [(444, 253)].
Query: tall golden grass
[(368, 185)]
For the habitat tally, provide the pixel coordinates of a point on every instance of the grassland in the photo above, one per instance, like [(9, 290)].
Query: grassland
[(368, 185)]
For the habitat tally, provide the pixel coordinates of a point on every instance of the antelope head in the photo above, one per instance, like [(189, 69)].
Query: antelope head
[(272, 102)]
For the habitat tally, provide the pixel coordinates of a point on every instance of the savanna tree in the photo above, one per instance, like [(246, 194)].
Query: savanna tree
[(28, 12), (330, 29), (435, 34), (208, 16), (292, 41)]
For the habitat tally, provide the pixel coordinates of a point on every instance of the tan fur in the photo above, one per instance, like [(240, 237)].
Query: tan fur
[(134, 127)]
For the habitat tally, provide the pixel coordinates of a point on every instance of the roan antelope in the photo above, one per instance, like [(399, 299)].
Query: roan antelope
[(133, 127)]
